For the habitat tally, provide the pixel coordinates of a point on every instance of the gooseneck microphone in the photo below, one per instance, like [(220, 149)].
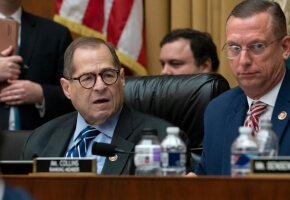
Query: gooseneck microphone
[(108, 150)]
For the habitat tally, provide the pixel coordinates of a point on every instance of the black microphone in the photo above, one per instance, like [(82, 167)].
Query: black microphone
[(108, 150)]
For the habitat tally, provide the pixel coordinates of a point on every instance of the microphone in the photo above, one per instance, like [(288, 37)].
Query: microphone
[(108, 150)]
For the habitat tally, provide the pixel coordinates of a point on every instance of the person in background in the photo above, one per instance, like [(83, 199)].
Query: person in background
[(94, 82), (187, 51), (257, 46), (29, 81)]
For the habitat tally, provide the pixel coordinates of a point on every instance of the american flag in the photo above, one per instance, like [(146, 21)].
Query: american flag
[(120, 22)]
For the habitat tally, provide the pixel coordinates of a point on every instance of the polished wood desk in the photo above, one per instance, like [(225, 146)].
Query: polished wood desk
[(50, 187)]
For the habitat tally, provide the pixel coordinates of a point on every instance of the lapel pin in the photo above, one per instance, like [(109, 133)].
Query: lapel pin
[(113, 158), (282, 115)]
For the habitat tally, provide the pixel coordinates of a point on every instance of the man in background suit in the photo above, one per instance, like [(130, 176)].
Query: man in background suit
[(31, 79), (257, 47), (188, 51), (94, 81)]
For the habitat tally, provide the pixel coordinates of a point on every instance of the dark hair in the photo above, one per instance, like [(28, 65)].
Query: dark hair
[(201, 45), (250, 8), (86, 42)]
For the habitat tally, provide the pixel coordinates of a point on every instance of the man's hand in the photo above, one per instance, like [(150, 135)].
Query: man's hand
[(191, 174), (9, 65), (21, 92)]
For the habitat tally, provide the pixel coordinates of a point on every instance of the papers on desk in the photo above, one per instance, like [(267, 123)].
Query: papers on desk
[(16, 166)]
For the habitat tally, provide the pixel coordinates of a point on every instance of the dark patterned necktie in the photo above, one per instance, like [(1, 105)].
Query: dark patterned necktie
[(81, 147), (256, 110)]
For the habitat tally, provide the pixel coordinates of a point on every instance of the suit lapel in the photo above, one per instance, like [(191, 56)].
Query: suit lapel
[(29, 32), (122, 132), (60, 139), (234, 120), (282, 104)]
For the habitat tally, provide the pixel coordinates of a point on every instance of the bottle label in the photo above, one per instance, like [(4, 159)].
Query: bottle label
[(240, 163), (147, 155), (173, 159)]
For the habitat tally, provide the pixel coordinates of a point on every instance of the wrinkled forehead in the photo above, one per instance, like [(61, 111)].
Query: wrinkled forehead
[(92, 56)]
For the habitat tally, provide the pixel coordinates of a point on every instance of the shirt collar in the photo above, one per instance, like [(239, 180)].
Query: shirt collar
[(107, 128), (16, 16), (270, 97)]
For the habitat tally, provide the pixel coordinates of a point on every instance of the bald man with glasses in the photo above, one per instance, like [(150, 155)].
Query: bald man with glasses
[(94, 82), (257, 46)]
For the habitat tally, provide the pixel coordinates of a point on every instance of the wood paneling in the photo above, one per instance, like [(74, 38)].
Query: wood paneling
[(44, 8), (154, 188)]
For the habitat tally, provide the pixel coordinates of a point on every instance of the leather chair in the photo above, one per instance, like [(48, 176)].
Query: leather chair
[(179, 99), (12, 143)]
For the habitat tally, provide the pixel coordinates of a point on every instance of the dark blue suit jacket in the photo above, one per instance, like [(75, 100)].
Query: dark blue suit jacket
[(43, 43), (223, 117), (11, 193)]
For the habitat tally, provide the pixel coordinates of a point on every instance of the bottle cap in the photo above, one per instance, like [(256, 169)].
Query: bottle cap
[(172, 130), (245, 130), (264, 122), (149, 131)]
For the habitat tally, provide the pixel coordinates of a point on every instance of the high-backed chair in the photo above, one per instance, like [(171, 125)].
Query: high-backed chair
[(180, 99), (12, 143)]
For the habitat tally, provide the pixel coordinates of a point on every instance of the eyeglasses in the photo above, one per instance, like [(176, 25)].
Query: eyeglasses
[(256, 49), (108, 76)]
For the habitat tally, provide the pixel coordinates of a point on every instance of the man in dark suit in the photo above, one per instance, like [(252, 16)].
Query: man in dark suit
[(94, 81), (31, 81), (257, 47)]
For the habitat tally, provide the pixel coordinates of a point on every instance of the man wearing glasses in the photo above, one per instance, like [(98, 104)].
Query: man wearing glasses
[(94, 82), (257, 46)]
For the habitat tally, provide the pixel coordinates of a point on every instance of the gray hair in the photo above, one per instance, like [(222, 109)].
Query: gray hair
[(88, 42)]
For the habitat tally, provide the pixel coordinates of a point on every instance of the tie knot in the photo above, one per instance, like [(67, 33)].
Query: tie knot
[(256, 110), (258, 106)]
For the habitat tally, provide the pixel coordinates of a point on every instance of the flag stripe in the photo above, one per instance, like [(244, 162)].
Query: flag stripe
[(108, 8), (58, 6), (74, 10), (118, 18), (94, 15), (120, 22), (134, 22)]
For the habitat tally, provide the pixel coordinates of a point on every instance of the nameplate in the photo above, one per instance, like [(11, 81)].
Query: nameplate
[(65, 165), (274, 165)]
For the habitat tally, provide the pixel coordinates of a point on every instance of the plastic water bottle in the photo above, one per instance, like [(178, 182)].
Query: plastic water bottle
[(147, 154), (244, 148), (267, 139), (173, 153)]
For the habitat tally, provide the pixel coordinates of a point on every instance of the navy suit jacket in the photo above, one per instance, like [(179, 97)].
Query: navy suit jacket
[(43, 43), (223, 117), (13, 193), (52, 139)]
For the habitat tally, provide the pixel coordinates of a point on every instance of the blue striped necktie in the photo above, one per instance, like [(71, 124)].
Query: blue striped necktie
[(81, 147)]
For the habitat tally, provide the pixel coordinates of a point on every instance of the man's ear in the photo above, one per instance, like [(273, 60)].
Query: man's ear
[(206, 66), (65, 87), (286, 47), (122, 75)]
